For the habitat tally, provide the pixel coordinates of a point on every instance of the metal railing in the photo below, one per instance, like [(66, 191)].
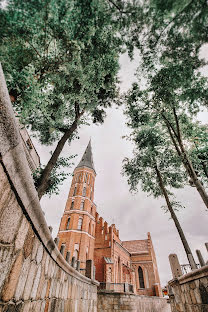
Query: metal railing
[(186, 268), (116, 287)]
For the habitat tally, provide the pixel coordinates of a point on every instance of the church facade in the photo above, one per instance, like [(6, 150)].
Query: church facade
[(84, 235)]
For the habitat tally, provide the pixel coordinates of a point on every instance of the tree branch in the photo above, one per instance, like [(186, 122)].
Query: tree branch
[(119, 8), (173, 139), (173, 19), (168, 123), (177, 124), (33, 48)]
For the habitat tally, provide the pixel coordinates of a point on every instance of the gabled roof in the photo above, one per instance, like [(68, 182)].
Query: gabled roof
[(136, 246), (87, 159)]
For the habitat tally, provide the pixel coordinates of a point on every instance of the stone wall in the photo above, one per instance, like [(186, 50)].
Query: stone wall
[(190, 292), (34, 276), (108, 302)]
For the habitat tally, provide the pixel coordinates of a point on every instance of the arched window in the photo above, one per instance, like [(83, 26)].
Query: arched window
[(91, 210), (141, 278), (68, 222), (79, 227), (75, 191), (91, 193), (72, 205), (84, 191), (82, 205)]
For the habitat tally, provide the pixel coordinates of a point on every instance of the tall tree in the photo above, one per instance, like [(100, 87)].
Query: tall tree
[(157, 169), (60, 60), (166, 106), (166, 34)]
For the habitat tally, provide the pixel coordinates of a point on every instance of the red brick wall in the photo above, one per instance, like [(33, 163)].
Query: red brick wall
[(83, 177)]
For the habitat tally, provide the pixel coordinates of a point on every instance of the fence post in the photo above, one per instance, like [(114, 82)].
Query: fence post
[(175, 266), (62, 249), (73, 263), (56, 240), (192, 262), (50, 228), (68, 256), (201, 260), (78, 265)]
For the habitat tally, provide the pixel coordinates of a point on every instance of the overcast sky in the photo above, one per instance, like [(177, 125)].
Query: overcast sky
[(134, 215)]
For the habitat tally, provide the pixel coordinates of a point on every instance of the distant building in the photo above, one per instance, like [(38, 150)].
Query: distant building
[(86, 236)]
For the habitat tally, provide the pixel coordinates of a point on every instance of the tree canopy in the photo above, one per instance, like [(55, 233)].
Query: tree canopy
[(60, 60), (57, 55)]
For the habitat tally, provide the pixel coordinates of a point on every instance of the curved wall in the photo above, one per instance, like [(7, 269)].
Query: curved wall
[(34, 276)]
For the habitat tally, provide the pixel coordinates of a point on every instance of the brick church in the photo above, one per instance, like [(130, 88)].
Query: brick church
[(86, 236)]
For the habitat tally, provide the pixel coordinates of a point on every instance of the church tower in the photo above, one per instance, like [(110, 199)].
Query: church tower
[(77, 228)]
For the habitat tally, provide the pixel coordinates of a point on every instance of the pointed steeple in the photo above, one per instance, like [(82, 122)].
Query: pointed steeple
[(87, 159)]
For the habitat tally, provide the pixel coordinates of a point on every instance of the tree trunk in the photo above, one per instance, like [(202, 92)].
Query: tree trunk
[(173, 215), (44, 179), (178, 144), (190, 170)]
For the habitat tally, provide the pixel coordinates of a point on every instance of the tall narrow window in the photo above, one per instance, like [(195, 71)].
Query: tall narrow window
[(86, 177), (72, 205), (68, 222), (84, 191), (89, 180), (77, 178), (141, 277), (82, 205), (75, 191), (91, 193), (91, 210), (92, 230), (79, 226)]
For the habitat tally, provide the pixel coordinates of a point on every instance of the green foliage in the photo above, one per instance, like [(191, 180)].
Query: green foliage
[(153, 148), (58, 54), (155, 108), (58, 176), (60, 60)]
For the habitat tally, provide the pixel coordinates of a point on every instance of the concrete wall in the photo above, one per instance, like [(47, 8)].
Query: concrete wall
[(109, 302), (34, 276), (190, 291)]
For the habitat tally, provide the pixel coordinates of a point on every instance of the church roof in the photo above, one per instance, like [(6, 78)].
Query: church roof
[(87, 159), (136, 246)]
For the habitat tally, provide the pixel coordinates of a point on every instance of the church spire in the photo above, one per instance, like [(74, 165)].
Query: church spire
[(87, 159)]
